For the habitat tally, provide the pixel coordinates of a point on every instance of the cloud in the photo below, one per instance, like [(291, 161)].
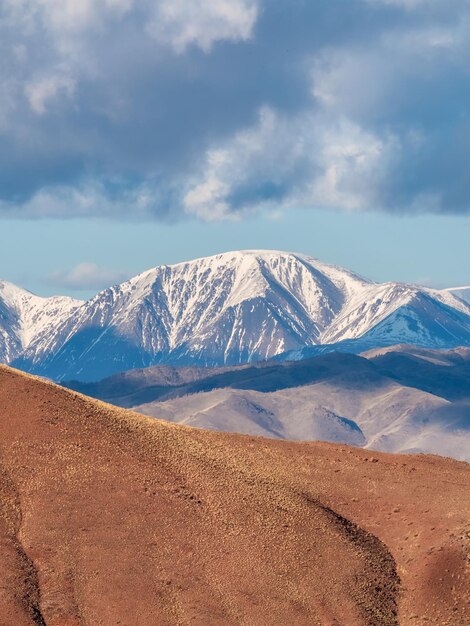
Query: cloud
[(203, 22), (312, 160), (91, 198), (217, 108), (173, 22), (86, 276), (44, 90)]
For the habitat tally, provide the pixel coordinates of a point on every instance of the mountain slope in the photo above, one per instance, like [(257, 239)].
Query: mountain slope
[(110, 517), (390, 417), (399, 399), (461, 292), (237, 308), (138, 386), (381, 416), (442, 373), (228, 309), (422, 318), (26, 318)]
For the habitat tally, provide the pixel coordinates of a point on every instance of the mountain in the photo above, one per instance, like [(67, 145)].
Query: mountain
[(461, 292), (444, 373), (387, 417), (26, 319), (427, 318), (400, 399), (138, 386), (239, 307), (108, 517)]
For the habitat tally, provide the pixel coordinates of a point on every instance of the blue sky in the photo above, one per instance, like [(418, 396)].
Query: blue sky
[(138, 133), (431, 250)]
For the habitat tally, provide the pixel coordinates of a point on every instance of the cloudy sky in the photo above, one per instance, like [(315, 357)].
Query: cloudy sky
[(135, 133)]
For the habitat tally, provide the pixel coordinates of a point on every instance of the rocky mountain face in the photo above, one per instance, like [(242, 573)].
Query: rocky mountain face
[(227, 309), (27, 319)]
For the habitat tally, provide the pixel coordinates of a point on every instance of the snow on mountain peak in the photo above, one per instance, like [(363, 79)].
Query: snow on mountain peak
[(463, 293), (28, 315), (229, 308)]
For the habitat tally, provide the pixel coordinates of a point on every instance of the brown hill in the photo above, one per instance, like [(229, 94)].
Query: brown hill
[(108, 517)]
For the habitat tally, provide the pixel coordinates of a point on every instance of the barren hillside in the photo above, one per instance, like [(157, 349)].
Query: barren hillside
[(108, 517)]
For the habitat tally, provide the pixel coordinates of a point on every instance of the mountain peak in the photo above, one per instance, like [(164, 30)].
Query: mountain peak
[(25, 316), (266, 255), (11, 292), (229, 308)]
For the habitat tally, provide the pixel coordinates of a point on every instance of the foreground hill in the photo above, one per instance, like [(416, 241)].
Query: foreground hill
[(399, 399), (107, 517), (236, 308)]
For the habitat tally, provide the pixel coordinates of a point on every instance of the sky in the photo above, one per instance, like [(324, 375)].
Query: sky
[(134, 134)]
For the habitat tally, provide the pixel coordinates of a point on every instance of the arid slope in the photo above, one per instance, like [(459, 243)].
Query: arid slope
[(108, 517)]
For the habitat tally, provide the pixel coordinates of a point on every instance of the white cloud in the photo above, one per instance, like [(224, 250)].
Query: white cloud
[(64, 15), (68, 14), (367, 113), (55, 41), (309, 160), (42, 91), (86, 276), (180, 23), (177, 23), (365, 80), (207, 199), (353, 166)]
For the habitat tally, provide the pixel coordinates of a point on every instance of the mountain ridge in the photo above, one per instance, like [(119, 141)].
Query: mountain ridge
[(239, 307), (461, 292), (397, 399), (24, 316)]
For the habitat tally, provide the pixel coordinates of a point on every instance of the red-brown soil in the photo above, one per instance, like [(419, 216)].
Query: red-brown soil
[(110, 518)]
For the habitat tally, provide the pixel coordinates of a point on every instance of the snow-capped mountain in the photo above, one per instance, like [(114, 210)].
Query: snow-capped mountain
[(461, 292), (25, 317), (233, 308)]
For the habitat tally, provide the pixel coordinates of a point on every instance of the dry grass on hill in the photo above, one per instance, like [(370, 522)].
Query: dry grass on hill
[(110, 518)]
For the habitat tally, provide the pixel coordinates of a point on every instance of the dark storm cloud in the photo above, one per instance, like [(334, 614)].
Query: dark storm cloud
[(144, 109)]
